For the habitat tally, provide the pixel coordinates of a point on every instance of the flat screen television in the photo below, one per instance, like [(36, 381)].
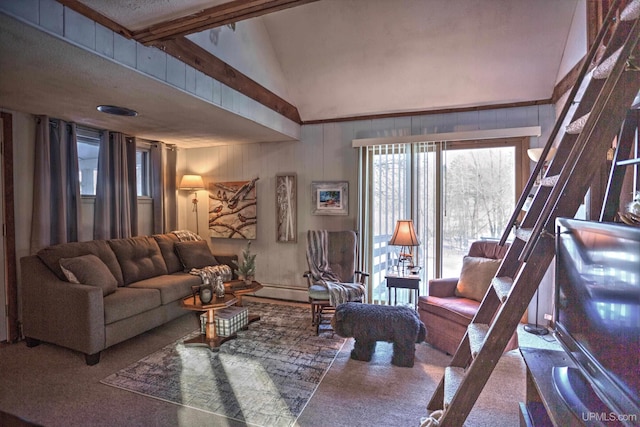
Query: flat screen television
[(597, 320)]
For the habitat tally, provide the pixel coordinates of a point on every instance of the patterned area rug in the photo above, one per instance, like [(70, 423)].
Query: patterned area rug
[(264, 377)]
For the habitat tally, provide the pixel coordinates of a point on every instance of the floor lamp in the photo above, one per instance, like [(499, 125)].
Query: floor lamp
[(535, 154), (536, 329), (193, 183)]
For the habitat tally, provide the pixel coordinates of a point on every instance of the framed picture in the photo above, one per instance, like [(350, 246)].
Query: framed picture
[(330, 197), (286, 208), (233, 212)]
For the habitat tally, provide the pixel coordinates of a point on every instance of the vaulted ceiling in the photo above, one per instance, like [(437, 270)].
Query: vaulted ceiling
[(325, 59)]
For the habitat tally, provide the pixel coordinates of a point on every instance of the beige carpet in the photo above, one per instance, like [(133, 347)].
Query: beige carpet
[(355, 393), (52, 386)]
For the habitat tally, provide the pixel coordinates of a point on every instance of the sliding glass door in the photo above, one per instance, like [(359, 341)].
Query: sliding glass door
[(478, 200), (455, 192)]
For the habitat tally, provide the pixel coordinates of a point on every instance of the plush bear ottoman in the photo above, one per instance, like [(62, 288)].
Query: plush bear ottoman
[(369, 323)]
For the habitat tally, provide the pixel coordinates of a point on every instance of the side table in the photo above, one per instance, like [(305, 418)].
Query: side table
[(403, 282), (210, 339)]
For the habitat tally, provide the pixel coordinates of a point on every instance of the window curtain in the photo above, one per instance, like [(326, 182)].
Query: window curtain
[(56, 185), (163, 187), (116, 207)]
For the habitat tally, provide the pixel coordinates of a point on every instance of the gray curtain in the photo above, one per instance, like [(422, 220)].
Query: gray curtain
[(170, 189), (163, 187), (56, 184), (116, 208)]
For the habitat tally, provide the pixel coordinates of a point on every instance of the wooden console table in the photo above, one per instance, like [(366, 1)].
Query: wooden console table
[(544, 406)]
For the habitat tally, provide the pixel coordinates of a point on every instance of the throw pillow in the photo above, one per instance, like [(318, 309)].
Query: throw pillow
[(195, 254), (89, 270), (475, 277)]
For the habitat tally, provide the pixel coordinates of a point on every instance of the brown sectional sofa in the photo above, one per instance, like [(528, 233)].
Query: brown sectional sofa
[(149, 281)]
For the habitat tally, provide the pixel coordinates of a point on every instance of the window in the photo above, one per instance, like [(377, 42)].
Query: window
[(455, 192), (142, 172), (478, 200), (88, 149)]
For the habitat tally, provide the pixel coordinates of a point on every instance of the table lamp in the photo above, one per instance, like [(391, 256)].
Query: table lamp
[(405, 237)]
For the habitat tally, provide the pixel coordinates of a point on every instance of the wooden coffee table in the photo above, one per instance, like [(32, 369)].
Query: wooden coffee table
[(209, 339), (249, 289)]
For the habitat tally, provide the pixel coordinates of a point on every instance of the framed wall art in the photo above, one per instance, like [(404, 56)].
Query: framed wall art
[(330, 197), (286, 208), (233, 212)]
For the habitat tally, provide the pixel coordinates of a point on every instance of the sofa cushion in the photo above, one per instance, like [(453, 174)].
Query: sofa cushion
[(126, 302), (168, 250), (51, 256), (172, 287), (475, 277), (195, 254), (456, 309), (89, 270), (139, 257)]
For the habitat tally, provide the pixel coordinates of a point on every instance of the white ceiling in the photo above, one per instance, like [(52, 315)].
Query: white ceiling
[(358, 57), (340, 58)]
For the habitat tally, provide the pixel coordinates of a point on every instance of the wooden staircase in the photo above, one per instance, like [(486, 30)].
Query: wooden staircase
[(592, 116)]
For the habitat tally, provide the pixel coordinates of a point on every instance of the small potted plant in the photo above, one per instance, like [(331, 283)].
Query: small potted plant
[(246, 268)]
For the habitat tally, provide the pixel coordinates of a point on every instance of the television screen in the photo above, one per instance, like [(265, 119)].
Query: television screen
[(598, 308)]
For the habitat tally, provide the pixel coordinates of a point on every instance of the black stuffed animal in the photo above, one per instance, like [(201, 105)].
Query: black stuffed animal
[(369, 323)]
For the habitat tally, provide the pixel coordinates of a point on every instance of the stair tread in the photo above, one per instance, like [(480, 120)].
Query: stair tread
[(502, 287), (523, 234), (453, 377), (549, 181), (477, 333), (631, 12), (603, 70), (576, 126)]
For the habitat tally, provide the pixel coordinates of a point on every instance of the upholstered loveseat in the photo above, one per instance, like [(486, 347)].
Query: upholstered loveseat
[(451, 303), (88, 296)]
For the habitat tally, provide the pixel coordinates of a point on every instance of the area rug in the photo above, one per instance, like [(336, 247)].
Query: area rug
[(264, 377)]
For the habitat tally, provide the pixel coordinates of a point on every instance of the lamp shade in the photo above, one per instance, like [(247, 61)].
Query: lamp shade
[(404, 234), (191, 183), (535, 154)]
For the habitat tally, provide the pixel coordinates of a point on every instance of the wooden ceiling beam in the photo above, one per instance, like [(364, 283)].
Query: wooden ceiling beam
[(191, 54), (226, 13), (200, 59)]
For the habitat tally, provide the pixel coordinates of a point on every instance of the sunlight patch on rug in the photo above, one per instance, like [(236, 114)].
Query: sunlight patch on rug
[(264, 377)]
